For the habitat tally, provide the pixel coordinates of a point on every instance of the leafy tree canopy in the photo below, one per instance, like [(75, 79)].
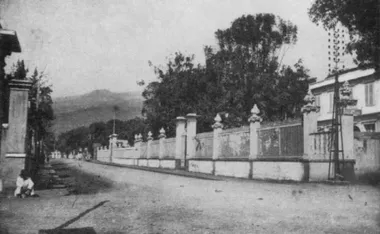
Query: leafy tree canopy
[(99, 132), (245, 70), (361, 17)]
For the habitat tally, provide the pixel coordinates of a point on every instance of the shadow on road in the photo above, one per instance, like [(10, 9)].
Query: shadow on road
[(79, 182), (86, 230)]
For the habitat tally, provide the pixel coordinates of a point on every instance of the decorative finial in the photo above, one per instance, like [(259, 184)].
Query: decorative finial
[(309, 98), (218, 121), (254, 117), (255, 110), (150, 136), (140, 137), (310, 105), (346, 90), (162, 133)]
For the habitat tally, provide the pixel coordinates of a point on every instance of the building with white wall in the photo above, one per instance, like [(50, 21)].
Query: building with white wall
[(365, 86)]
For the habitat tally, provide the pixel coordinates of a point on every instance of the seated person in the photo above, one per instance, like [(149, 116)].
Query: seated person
[(25, 185)]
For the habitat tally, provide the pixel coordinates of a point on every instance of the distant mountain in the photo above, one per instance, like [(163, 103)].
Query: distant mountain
[(76, 111)]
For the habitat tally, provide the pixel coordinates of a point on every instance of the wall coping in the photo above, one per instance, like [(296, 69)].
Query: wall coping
[(147, 158), (270, 160), (367, 135)]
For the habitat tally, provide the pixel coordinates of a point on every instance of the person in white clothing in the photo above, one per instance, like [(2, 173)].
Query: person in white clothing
[(25, 185)]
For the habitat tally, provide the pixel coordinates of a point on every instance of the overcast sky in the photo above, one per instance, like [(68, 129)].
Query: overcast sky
[(106, 44)]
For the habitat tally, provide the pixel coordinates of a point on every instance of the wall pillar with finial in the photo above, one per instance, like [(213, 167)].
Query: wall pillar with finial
[(254, 126), (310, 124), (347, 124), (149, 145), (137, 145), (162, 138), (191, 132), (218, 128), (180, 138)]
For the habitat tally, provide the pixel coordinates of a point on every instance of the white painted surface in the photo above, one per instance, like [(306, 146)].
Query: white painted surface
[(319, 171), (344, 77), (143, 162), (103, 155), (234, 169), (123, 161), (278, 170), (201, 166), (167, 164), (153, 163), (358, 93)]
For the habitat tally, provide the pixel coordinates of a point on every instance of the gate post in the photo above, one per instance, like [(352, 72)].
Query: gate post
[(162, 137), (112, 145), (217, 126), (310, 124), (179, 142), (149, 145), (14, 133), (137, 145), (254, 126), (191, 131)]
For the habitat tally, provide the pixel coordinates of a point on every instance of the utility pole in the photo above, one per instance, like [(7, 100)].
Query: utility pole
[(336, 141)]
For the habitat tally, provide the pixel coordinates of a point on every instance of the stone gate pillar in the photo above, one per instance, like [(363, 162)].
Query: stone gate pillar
[(310, 124), (112, 145), (180, 141), (14, 132), (8, 168), (347, 123), (191, 131), (17, 118), (254, 125), (218, 128), (162, 138)]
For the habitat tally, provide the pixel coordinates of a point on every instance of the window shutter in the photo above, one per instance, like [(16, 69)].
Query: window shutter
[(371, 94), (366, 94)]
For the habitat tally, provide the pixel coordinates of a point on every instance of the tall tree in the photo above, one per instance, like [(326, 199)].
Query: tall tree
[(246, 69), (182, 87), (361, 17), (249, 62)]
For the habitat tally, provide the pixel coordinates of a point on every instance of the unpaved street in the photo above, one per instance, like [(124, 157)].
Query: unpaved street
[(110, 199)]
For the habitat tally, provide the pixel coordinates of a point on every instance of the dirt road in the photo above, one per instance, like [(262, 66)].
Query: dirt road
[(106, 199)]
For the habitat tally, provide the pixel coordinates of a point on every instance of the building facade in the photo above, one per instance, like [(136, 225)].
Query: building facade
[(365, 86)]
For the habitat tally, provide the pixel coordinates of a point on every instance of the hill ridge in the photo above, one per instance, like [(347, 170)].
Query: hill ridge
[(95, 106)]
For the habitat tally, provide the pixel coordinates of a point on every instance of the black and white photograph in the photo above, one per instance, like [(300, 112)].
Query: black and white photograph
[(189, 116)]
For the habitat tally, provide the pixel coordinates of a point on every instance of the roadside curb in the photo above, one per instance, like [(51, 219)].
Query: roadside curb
[(216, 178), (163, 171)]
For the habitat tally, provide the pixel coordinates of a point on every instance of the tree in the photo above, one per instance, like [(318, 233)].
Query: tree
[(245, 70), (361, 18), (182, 88), (249, 61), (99, 132)]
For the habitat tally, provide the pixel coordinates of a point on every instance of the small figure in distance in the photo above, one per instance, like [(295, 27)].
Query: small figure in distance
[(25, 185)]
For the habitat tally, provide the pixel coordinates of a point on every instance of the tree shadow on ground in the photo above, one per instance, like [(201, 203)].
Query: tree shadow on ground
[(86, 230), (79, 182)]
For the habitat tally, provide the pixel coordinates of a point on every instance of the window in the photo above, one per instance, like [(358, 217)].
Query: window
[(331, 107), (369, 95), (369, 127), (318, 100)]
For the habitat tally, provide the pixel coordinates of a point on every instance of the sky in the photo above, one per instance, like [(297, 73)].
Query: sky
[(106, 44)]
